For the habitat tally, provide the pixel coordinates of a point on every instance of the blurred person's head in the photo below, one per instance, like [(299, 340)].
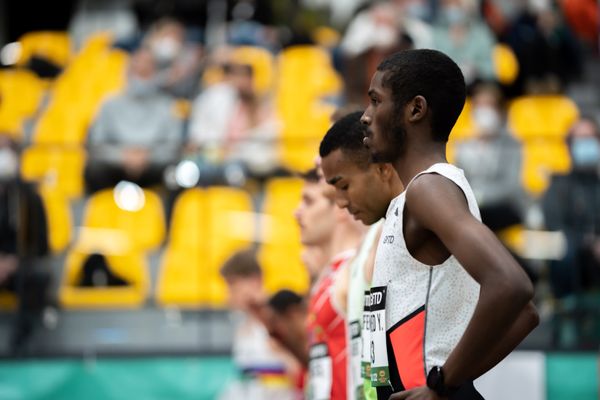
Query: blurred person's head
[(241, 77), (166, 40), (365, 189), (415, 95), (243, 276), (584, 144), (316, 213), (487, 109), (9, 159), (288, 316), (418, 9), (141, 80)]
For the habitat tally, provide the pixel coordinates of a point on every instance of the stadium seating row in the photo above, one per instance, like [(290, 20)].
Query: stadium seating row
[(208, 225)]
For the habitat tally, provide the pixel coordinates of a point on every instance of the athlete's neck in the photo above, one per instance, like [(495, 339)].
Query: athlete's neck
[(346, 236), (418, 158)]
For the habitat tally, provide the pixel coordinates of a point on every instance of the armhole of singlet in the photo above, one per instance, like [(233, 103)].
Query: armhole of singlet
[(432, 170), (428, 171)]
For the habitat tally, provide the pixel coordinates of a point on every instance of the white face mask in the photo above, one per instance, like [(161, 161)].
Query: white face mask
[(9, 164), (417, 10), (455, 15), (487, 119), (166, 49), (585, 152)]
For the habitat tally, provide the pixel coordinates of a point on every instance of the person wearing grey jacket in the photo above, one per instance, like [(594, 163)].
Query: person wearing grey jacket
[(136, 134)]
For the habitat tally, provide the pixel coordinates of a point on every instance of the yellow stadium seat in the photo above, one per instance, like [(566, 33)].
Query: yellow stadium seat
[(57, 166), (59, 217), (299, 102), (8, 301), (208, 226), (463, 129), (21, 92), (55, 46), (313, 65), (465, 126), (279, 254), (506, 64), (145, 227), (79, 93), (541, 159), (125, 262), (550, 117)]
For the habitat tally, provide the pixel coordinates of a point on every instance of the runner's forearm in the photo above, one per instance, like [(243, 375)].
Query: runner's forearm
[(498, 308)]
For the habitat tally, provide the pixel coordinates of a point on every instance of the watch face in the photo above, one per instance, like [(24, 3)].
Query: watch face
[(434, 378)]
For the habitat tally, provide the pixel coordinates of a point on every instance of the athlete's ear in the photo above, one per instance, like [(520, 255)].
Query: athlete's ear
[(417, 108)]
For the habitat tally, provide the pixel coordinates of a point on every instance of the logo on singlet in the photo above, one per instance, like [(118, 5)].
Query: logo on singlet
[(389, 239)]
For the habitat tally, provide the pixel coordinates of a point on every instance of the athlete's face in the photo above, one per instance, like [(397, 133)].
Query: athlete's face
[(385, 135), (315, 214), (362, 190)]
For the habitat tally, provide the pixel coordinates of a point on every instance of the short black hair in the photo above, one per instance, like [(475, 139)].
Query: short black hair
[(283, 300), (312, 175), (433, 75), (242, 264), (347, 134)]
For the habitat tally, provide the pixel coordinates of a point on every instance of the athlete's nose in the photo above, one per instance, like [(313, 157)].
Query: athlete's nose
[(365, 119)]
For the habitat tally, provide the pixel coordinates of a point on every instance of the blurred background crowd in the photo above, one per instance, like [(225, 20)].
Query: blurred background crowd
[(144, 143)]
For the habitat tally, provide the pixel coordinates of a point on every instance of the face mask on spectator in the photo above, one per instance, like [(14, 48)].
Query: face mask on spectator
[(138, 87), (417, 10), (585, 152), (455, 15), (8, 164), (165, 49), (487, 119)]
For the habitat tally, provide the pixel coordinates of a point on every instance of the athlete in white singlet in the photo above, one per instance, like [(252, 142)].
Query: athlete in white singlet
[(365, 190), (448, 301)]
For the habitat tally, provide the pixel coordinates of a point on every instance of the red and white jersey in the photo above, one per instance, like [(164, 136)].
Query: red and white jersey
[(326, 326), (427, 308)]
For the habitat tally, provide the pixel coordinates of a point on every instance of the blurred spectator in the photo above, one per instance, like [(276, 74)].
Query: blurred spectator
[(256, 355), (571, 205), (177, 60), (548, 54), (492, 161), (376, 32), (91, 16), (583, 17), (23, 239), (136, 134), (287, 324), (463, 35), (232, 121)]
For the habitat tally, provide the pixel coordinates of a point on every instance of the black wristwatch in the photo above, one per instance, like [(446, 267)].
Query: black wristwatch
[(435, 382)]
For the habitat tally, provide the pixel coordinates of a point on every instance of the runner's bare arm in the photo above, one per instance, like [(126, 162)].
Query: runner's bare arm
[(439, 206), (515, 335)]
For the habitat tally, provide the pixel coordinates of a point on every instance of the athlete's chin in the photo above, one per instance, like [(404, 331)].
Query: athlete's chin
[(366, 219)]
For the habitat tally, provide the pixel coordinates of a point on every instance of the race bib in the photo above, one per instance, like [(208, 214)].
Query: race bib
[(365, 359), (355, 359), (320, 373), (380, 372)]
